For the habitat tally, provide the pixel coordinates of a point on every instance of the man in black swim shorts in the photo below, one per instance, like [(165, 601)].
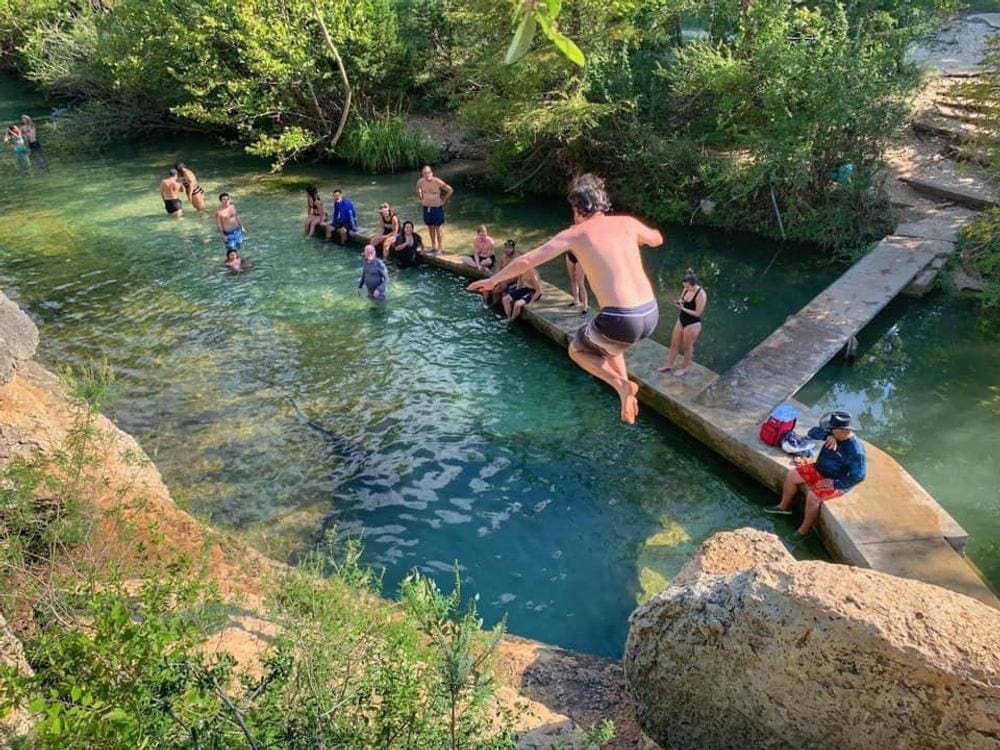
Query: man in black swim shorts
[(607, 247), (170, 191)]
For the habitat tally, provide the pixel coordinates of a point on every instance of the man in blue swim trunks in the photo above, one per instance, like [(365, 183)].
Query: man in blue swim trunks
[(230, 225), (608, 249), (433, 193)]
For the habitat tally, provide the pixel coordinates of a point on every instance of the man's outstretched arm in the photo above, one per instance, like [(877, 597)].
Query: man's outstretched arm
[(541, 254), (647, 235)]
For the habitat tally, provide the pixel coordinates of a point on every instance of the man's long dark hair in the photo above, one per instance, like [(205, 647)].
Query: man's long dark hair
[(588, 195)]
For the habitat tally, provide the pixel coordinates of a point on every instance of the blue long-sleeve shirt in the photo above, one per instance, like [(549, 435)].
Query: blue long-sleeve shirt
[(846, 466), (344, 215)]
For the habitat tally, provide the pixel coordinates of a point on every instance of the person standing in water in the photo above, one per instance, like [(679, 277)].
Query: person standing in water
[(195, 192), (691, 304), (608, 249), (30, 133), (374, 276), (433, 193), (170, 191), (230, 224), (15, 137)]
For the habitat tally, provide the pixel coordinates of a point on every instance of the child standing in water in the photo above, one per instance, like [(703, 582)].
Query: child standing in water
[(374, 275)]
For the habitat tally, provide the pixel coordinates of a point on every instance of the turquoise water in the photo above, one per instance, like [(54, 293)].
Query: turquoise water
[(438, 432), (926, 388), (446, 434)]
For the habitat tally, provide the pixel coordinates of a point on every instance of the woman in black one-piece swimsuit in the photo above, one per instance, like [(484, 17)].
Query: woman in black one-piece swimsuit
[(691, 304)]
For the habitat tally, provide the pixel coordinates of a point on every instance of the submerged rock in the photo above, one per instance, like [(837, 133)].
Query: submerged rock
[(749, 650)]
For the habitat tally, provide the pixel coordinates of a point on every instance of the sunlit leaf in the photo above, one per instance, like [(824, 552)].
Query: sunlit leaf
[(521, 42), (568, 48)]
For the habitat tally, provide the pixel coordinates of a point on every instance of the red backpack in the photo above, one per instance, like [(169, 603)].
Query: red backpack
[(782, 420)]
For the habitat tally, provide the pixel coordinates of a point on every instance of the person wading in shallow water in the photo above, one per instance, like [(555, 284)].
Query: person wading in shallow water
[(170, 191), (607, 247)]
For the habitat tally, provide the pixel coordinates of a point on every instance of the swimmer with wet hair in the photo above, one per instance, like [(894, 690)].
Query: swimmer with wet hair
[(607, 248)]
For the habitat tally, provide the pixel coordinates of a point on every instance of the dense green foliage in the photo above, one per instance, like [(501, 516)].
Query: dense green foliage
[(768, 115), (979, 241), (121, 656)]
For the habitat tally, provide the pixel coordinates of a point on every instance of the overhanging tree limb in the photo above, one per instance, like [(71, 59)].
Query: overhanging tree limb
[(343, 74)]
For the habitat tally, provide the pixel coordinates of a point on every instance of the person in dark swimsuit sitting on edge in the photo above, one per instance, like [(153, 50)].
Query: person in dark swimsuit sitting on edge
[(691, 304), (607, 247)]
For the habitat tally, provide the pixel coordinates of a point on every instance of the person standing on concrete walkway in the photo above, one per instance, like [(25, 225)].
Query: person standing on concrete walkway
[(841, 465), (433, 193), (608, 249)]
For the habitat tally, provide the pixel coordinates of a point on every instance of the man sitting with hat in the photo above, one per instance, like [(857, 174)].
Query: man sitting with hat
[(841, 465)]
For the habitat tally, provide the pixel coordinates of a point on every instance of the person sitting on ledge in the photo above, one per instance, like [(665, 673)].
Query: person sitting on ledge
[(841, 465), (409, 246), (525, 290), (343, 218), (388, 230)]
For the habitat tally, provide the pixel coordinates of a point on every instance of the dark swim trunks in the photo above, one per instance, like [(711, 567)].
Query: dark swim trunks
[(615, 329), (488, 262), (35, 146), (434, 216), (521, 292), (173, 205)]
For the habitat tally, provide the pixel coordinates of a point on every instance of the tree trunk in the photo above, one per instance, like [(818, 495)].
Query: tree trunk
[(334, 137)]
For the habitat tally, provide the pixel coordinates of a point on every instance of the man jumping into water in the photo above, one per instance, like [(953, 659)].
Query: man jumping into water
[(608, 249)]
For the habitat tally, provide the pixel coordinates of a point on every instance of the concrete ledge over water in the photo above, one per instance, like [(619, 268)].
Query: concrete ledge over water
[(888, 523)]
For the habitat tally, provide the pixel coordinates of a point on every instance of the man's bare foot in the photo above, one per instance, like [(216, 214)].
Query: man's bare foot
[(630, 404), (680, 373), (665, 368)]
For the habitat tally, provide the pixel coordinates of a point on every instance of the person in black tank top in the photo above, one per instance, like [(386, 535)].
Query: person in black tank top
[(389, 229), (691, 304)]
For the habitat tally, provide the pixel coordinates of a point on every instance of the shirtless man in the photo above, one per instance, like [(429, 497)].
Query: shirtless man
[(170, 191), (230, 225), (608, 249), (433, 193), (195, 192)]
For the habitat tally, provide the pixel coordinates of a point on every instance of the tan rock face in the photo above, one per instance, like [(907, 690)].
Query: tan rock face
[(811, 654), (18, 338), (731, 552)]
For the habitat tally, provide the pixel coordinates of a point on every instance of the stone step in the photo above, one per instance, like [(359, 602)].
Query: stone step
[(971, 116), (967, 154), (943, 127), (968, 105), (978, 197)]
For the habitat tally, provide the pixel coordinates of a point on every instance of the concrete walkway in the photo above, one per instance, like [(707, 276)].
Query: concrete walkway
[(792, 355)]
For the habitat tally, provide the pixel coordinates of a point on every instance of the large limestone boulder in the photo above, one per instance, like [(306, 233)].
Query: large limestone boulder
[(18, 338), (811, 654)]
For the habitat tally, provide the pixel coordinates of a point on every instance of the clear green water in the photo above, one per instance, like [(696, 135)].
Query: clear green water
[(448, 435)]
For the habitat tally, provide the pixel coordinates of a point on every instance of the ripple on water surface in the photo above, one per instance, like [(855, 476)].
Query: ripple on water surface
[(279, 404)]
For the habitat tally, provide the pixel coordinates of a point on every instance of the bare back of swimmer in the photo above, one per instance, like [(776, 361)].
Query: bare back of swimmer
[(607, 247)]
